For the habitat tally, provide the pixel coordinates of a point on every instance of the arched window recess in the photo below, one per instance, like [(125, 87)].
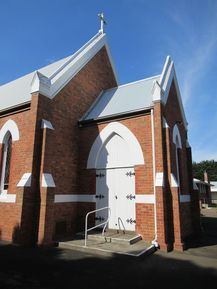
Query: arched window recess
[(6, 161)]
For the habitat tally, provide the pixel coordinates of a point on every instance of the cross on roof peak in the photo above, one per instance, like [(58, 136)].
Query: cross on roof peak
[(102, 22)]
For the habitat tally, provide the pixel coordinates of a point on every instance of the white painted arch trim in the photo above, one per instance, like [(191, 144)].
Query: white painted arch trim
[(10, 126), (176, 135), (122, 131)]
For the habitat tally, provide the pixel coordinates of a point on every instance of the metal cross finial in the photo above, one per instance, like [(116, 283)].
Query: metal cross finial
[(102, 22)]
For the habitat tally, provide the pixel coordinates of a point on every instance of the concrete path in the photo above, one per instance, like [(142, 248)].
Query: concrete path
[(28, 268)]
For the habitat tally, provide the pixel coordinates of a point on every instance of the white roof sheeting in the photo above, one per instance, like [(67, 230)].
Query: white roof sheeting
[(126, 98), (17, 92)]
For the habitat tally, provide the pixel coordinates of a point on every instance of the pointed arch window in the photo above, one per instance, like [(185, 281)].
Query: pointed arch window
[(6, 161)]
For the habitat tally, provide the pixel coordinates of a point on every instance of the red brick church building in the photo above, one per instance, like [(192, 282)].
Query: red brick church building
[(72, 140)]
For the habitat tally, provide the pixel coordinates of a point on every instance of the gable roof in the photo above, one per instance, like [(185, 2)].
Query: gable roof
[(162, 88), (131, 97), (49, 80), (136, 96)]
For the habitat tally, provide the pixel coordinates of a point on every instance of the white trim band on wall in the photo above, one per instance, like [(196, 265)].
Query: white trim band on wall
[(7, 198), (159, 180), (145, 199), (74, 198), (185, 198), (61, 198)]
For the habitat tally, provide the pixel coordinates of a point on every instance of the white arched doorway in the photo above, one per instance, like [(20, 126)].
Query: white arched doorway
[(114, 154)]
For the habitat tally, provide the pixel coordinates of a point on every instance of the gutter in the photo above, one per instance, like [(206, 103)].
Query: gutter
[(116, 116)]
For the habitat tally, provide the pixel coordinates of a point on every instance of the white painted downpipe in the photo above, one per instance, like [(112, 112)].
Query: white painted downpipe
[(154, 242)]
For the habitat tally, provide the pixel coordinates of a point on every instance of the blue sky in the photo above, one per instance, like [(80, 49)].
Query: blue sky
[(141, 34)]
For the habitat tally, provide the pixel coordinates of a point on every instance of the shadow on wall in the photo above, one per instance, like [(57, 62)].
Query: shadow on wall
[(16, 235)]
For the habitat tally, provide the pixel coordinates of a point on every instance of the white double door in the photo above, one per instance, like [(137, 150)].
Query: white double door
[(115, 188)]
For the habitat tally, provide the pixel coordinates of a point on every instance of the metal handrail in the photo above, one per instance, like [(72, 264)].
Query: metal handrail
[(105, 223)]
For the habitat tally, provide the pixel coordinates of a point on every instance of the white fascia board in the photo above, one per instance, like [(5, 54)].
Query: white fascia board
[(167, 76), (41, 84), (112, 62), (157, 91), (180, 101), (51, 86)]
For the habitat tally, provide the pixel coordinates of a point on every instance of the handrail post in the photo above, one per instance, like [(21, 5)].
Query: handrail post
[(105, 223), (85, 242)]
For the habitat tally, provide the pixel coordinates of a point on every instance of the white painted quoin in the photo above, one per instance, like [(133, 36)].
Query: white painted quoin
[(114, 154)]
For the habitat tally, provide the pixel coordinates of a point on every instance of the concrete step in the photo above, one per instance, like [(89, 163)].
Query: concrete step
[(96, 247), (113, 236)]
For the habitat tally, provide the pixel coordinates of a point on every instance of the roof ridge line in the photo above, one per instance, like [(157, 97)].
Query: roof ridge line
[(74, 55), (130, 83)]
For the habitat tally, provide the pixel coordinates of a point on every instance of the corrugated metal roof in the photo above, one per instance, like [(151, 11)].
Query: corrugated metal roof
[(18, 91), (126, 98)]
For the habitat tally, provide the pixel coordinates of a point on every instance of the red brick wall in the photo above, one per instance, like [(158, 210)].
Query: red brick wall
[(172, 114), (141, 127), (60, 150), (48, 151), (14, 222)]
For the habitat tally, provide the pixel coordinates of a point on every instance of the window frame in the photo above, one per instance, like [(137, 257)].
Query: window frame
[(6, 142)]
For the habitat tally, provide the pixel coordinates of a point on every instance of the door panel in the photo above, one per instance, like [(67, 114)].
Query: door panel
[(116, 188), (101, 196), (125, 201)]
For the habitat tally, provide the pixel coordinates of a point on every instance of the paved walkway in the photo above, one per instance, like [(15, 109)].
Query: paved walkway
[(29, 268)]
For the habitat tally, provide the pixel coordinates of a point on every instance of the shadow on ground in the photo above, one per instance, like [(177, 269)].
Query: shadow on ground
[(51, 268), (54, 268)]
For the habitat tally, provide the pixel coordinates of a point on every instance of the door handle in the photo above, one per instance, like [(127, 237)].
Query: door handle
[(116, 197)]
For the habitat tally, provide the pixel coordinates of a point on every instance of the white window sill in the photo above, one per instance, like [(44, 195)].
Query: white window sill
[(7, 198)]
